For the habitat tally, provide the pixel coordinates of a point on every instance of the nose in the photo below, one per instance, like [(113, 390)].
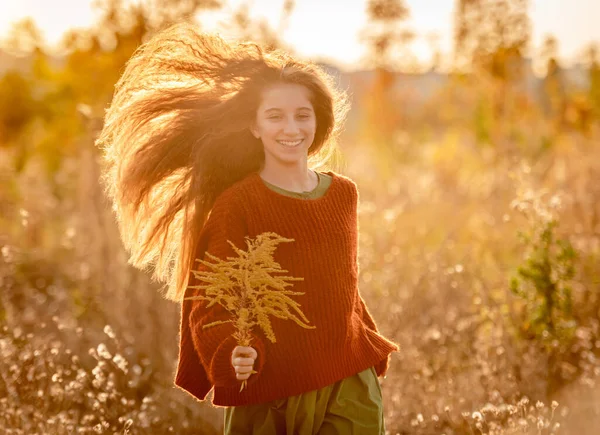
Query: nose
[(291, 127)]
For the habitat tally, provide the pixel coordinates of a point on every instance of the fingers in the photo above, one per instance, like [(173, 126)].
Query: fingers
[(245, 351), (243, 372), (242, 377), (242, 369), (242, 360)]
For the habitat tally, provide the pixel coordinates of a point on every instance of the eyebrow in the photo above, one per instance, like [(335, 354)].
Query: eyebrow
[(276, 109)]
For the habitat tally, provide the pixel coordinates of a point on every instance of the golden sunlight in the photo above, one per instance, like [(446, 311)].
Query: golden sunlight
[(309, 30)]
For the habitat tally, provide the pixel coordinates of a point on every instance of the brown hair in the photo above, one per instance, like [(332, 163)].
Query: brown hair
[(176, 135)]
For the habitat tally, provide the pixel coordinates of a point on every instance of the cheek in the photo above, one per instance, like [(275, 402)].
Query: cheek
[(264, 129), (269, 130), (309, 126)]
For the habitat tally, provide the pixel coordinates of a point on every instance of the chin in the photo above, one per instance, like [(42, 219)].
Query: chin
[(291, 160), (288, 158)]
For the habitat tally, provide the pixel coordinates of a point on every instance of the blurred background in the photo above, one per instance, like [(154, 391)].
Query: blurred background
[(473, 137)]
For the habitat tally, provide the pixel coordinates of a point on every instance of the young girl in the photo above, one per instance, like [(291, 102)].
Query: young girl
[(207, 146)]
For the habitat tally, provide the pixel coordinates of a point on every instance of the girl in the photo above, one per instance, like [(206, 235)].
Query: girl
[(207, 146)]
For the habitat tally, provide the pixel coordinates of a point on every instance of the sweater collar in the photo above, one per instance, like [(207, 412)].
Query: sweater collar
[(259, 182)]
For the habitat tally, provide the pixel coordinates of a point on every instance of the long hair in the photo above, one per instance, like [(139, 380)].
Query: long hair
[(176, 135)]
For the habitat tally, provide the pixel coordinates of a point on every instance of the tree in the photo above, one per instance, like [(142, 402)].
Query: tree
[(492, 35), (433, 40), (385, 35), (553, 98), (594, 79), (155, 14), (243, 27), (16, 106), (24, 37)]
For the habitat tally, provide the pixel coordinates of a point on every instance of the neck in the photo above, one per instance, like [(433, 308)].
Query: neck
[(296, 178)]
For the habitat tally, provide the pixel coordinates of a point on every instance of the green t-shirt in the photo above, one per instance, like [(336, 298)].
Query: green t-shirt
[(317, 192)]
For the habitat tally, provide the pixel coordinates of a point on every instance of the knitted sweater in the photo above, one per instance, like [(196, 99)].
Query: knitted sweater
[(324, 253)]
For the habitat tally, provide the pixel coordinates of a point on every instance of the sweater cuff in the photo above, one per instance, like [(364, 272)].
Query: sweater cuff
[(382, 366), (221, 369)]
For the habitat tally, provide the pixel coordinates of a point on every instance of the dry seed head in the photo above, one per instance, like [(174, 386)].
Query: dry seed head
[(103, 351), (249, 289), (120, 362), (109, 332)]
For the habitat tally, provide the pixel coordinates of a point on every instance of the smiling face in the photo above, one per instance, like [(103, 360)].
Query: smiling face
[(285, 123)]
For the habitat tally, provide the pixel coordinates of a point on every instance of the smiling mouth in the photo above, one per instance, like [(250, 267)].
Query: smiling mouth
[(289, 143)]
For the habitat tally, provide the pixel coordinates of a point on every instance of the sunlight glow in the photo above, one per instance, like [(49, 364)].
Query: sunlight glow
[(318, 29)]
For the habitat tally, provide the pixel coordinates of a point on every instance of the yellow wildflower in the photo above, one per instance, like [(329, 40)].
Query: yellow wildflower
[(247, 287)]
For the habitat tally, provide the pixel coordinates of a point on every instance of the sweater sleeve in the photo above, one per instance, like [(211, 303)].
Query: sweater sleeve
[(382, 366), (214, 345)]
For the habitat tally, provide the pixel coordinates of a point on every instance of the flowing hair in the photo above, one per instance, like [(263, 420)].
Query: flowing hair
[(176, 135)]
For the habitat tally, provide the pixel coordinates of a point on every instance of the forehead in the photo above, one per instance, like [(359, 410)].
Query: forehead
[(285, 97)]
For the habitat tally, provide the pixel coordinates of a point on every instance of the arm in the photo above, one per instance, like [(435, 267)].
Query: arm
[(214, 345), (382, 366), (362, 310)]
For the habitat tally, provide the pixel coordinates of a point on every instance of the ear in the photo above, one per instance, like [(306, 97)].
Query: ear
[(254, 131)]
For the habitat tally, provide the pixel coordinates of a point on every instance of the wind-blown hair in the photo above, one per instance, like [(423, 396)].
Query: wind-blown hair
[(176, 135)]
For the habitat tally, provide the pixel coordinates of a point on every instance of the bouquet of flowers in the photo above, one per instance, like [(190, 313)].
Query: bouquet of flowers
[(249, 289)]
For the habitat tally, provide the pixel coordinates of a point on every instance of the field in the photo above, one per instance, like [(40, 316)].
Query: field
[(479, 254)]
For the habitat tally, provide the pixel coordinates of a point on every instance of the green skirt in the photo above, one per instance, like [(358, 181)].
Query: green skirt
[(351, 406)]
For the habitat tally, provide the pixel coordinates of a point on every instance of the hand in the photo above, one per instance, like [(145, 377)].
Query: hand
[(242, 360)]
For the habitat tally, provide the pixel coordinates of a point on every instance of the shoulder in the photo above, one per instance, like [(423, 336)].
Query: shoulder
[(233, 196), (229, 206), (348, 185), (342, 179)]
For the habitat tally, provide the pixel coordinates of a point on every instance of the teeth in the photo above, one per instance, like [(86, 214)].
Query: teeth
[(289, 143)]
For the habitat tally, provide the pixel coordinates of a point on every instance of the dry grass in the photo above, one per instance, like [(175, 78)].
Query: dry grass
[(440, 215)]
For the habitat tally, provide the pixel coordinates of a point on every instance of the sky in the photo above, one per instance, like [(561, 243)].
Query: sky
[(320, 29)]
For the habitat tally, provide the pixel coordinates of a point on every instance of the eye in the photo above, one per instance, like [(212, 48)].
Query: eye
[(274, 117), (303, 116)]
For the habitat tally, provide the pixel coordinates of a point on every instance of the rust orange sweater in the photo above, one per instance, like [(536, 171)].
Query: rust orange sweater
[(345, 340)]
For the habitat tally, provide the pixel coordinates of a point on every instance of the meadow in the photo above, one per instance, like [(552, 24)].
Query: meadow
[(479, 254)]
